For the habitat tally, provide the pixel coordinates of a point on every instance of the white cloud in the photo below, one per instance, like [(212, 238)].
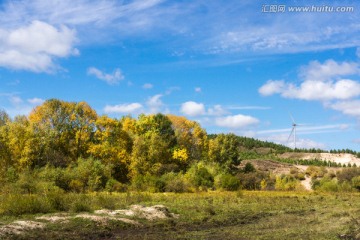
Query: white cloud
[(111, 79), (222, 31), (316, 71), (198, 89), (155, 104), (321, 82), (34, 47), (272, 87), (236, 121), (317, 90), (35, 101), (147, 86), (217, 110), (192, 109), (348, 107), (123, 108)]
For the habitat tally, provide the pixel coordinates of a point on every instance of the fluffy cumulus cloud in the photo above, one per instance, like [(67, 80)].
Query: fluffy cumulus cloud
[(192, 109), (35, 47), (322, 82), (236, 121), (313, 90), (347, 107), (317, 71), (272, 87), (109, 78), (123, 108)]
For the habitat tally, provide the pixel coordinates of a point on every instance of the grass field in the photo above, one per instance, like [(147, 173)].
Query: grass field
[(209, 215)]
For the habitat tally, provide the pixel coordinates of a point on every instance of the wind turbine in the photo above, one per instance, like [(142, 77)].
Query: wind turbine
[(293, 130)]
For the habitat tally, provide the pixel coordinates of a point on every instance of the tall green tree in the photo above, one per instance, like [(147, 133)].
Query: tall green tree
[(64, 130), (113, 146), (225, 149)]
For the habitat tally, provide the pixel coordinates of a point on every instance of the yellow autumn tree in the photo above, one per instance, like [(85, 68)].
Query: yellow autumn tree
[(112, 145)]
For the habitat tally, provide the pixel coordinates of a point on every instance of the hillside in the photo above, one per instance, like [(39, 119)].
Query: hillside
[(342, 158)]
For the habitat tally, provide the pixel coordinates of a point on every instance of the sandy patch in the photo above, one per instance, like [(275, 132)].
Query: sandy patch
[(100, 216), (18, 227), (149, 213)]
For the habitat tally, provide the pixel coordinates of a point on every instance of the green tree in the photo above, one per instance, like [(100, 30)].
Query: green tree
[(113, 146), (224, 149), (64, 130)]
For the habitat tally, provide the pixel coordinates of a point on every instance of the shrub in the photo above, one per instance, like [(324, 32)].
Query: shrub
[(252, 180), (249, 168), (326, 185), (227, 182), (56, 199), (19, 204), (148, 183), (82, 203), (175, 182), (347, 174), (287, 182), (114, 186), (199, 176), (356, 182)]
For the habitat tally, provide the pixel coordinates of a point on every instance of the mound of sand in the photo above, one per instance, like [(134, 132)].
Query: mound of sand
[(100, 216)]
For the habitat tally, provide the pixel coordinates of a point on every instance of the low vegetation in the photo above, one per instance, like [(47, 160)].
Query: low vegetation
[(211, 215)]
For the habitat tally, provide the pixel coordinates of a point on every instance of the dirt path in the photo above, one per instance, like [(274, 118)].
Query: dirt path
[(307, 183)]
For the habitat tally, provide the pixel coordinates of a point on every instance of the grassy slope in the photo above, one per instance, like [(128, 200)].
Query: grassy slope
[(223, 215)]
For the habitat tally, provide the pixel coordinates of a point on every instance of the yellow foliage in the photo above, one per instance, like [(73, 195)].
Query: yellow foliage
[(180, 154)]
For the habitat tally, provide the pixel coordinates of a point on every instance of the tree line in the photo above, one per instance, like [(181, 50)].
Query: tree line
[(67, 145)]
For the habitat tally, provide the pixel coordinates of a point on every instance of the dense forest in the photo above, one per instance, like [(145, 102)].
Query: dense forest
[(68, 146)]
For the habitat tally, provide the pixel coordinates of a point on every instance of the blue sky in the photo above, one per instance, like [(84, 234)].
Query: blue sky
[(234, 66)]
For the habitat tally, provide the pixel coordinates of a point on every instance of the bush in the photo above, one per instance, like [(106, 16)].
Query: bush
[(287, 183), (148, 183), (19, 204), (199, 176), (347, 174), (56, 199), (316, 172), (252, 180), (227, 182), (82, 203), (249, 168), (114, 186), (356, 182), (175, 182), (326, 185)]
